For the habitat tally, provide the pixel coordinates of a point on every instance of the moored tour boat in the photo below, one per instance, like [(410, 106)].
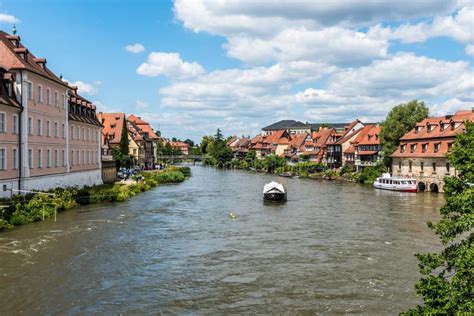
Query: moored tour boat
[(386, 182), (274, 191)]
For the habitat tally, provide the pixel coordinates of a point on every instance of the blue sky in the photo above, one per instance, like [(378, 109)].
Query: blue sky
[(241, 65)]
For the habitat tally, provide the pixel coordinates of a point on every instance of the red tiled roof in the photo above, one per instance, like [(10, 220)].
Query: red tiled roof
[(113, 125), (143, 126), (443, 131), (11, 59), (368, 136), (347, 137), (367, 152), (350, 150), (321, 137), (275, 136)]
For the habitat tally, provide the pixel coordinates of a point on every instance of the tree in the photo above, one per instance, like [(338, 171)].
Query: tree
[(124, 138), (121, 160), (221, 153), (189, 142), (219, 137), (401, 119), (447, 284), (205, 142), (174, 139)]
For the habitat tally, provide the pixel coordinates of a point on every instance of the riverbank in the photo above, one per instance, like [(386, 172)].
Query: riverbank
[(25, 209), (311, 170)]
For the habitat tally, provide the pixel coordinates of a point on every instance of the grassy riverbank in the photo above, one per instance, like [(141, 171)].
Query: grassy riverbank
[(25, 209)]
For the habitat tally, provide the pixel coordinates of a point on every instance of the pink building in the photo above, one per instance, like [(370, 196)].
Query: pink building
[(39, 147)]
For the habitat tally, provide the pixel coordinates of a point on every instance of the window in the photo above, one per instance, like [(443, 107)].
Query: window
[(56, 132), (15, 124), (402, 148), (450, 146), (56, 104), (3, 159), (424, 147), (88, 134), (30, 158), (63, 157), (448, 168), (48, 158), (437, 146), (400, 165), (40, 94), (15, 158), (83, 133), (30, 126), (48, 96), (78, 161), (56, 158), (72, 132), (48, 128), (63, 101), (412, 148), (430, 128), (418, 129), (29, 87), (72, 157), (410, 165), (434, 166), (63, 131), (3, 122), (78, 133), (422, 164), (40, 158), (83, 157), (40, 127)]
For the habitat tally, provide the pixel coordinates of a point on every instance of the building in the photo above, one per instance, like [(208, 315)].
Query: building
[(140, 147), (109, 167), (41, 157), (240, 146), (181, 146), (340, 142), (367, 148), (290, 126), (422, 151), (145, 129)]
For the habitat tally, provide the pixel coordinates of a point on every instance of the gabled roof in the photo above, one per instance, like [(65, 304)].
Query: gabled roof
[(348, 136), (11, 58), (113, 125), (368, 136), (275, 136), (142, 126), (321, 137)]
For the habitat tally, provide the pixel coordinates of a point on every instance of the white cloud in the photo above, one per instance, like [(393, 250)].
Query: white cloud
[(135, 48), (141, 105), (86, 88), (170, 65), (470, 50), (7, 18)]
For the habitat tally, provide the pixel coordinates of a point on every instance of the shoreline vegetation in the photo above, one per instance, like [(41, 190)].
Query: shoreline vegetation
[(310, 170), (33, 207)]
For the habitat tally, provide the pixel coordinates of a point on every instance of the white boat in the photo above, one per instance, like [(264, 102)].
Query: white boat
[(387, 182), (274, 191)]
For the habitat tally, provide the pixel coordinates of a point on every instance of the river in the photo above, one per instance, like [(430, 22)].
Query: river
[(332, 248)]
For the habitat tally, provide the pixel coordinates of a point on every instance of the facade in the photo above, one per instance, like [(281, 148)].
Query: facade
[(239, 146), (340, 142), (291, 126), (43, 151), (140, 146), (109, 168), (422, 151), (147, 132), (182, 146), (367, 148)]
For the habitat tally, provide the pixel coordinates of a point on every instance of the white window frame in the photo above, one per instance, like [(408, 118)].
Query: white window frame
[(3, 124), (48, 128), (56, 129), (78, 157), (56, 158), (48, 96), (40, 93), (30, 92), (40, 157), (40, 127), (30, 125), (3, 159), (15, 158), (72, 157), (63, 131), (48, 158), (63, 157), (30, 158), (15, 124), (72, 132), (63, 100), (56, 99)]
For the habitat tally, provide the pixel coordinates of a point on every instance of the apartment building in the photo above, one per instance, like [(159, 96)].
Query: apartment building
[(42, 123)]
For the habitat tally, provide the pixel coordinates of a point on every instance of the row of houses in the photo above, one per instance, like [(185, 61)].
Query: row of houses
[(421, 155), (51, 136)]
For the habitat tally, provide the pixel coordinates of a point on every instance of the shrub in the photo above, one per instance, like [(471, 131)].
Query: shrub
[(369, 174)]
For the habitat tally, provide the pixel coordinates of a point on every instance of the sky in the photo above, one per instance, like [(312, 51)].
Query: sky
[(191, 66)]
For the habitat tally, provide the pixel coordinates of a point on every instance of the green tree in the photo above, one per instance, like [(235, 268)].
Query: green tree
[(401, 119), (221, 153), (121, 160), (124, 139), (189, 142), (219, 137), (205, 142), (447, 284)]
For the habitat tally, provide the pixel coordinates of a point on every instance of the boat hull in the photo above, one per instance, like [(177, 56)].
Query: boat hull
[(274, 197), (410, 190)]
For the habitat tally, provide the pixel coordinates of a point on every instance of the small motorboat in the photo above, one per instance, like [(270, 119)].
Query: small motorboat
[(274, 192), (386, 182)]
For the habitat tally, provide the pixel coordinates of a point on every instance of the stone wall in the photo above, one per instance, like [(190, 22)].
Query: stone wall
[(428, 175)]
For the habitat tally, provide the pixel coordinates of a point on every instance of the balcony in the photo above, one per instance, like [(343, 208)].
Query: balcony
[(365, 163), (107, 158)]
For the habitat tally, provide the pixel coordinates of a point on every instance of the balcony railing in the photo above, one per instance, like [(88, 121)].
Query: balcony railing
[(365, 163)]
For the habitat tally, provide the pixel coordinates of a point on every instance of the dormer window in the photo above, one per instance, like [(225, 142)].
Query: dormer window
[(437, 147), (450, 146), (424, 147), (412, 148), (402, 148), (10, 88), (418, 129), (431, 128)]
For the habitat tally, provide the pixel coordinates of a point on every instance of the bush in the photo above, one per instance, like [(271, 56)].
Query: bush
[(369, 174)]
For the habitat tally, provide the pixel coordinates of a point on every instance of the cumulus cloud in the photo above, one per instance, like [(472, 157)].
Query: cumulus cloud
[(141, 105), (135, 48), (86, 88), (170, 65), (7, 18)]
